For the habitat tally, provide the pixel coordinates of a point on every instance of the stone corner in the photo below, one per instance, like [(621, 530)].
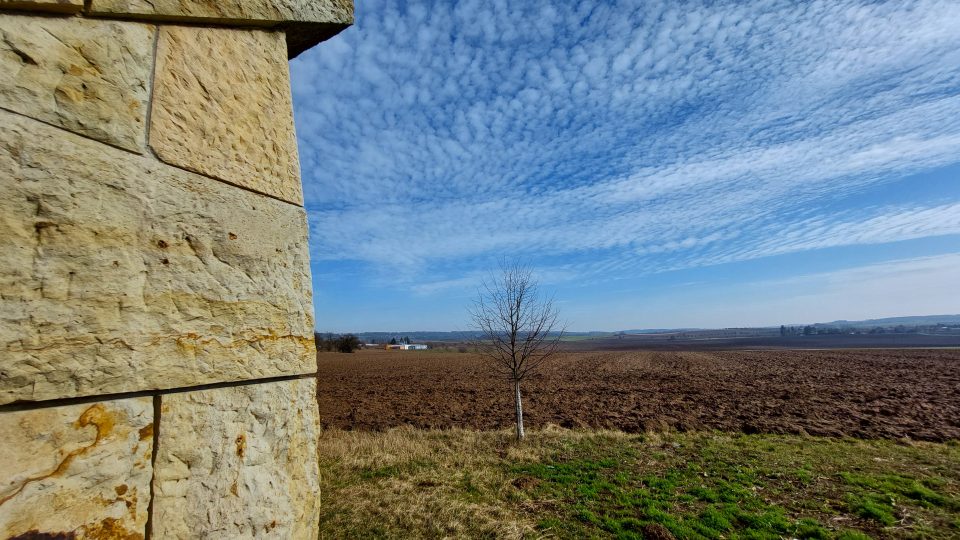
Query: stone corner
[(306, 22), (48, 6), (304, 36)]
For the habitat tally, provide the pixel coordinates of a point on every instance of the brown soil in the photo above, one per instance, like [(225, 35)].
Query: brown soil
[(857, 393)]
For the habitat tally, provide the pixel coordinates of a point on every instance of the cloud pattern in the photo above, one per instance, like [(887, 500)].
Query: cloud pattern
[(622, 138)]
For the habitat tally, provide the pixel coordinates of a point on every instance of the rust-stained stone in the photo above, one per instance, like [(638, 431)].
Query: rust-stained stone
[(222, 108), (306, 22), (252, 449), (88, 76), (77, 471), (120, 273), (56, 6)]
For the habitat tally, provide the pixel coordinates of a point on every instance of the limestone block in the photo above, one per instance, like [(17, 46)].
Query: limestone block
[(57, 6), (252, 449), (120, 273), (222, 108), (88, 76), (240, 11), (77, 471), (307, 22)]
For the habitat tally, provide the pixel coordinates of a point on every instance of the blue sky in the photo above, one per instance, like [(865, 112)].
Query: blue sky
[(660, 164)]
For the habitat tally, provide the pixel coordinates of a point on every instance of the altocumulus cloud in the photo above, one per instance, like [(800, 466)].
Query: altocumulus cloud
[(616, 138)]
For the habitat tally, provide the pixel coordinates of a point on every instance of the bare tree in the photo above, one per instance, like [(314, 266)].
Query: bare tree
[(518, 325)]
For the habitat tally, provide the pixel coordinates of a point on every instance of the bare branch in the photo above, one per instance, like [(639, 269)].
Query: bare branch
[(519, 327)]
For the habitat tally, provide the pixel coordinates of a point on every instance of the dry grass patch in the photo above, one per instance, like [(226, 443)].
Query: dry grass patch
[(406, 483), (436, 484)]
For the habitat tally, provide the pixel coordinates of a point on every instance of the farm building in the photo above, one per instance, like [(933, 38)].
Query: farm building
[(406, 346)]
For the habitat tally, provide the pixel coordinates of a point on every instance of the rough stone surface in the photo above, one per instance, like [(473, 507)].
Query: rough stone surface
[(88, 76), (251, 449), (306, 22), (222, 108), (80, 471), (57, 6), (239, 11), (120, 273)]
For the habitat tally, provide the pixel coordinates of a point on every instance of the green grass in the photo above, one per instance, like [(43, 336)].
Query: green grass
[(580, 484), (700, 498)]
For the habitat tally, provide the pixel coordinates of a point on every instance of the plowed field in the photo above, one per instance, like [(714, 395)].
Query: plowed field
[(857, 393)]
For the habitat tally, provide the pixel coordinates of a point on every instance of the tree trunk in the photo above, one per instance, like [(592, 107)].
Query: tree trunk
[(519, 407)]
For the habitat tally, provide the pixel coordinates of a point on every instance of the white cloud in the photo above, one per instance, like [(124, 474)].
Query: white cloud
[(623, 137), (919, 286)]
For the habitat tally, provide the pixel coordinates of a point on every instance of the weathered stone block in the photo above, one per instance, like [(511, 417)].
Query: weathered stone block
[(120, 273), (249, 11), (56, 6), (307, 22), (253, 449), (88, 76), (222, 108), (80, 471)]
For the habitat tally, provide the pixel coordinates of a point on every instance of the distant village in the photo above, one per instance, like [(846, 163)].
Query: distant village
[(398, 343), (330, 342), (398, 346)]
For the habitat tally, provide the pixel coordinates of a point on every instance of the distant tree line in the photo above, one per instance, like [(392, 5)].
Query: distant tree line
[(393, 341), (345, 343), (822, 329)]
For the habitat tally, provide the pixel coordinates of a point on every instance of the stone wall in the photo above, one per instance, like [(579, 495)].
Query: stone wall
[(156, 331)]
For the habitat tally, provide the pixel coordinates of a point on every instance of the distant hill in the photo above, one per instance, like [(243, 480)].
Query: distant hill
[(890, 322), (919, 320), (431, 335), (657, 330), (415, 335)]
